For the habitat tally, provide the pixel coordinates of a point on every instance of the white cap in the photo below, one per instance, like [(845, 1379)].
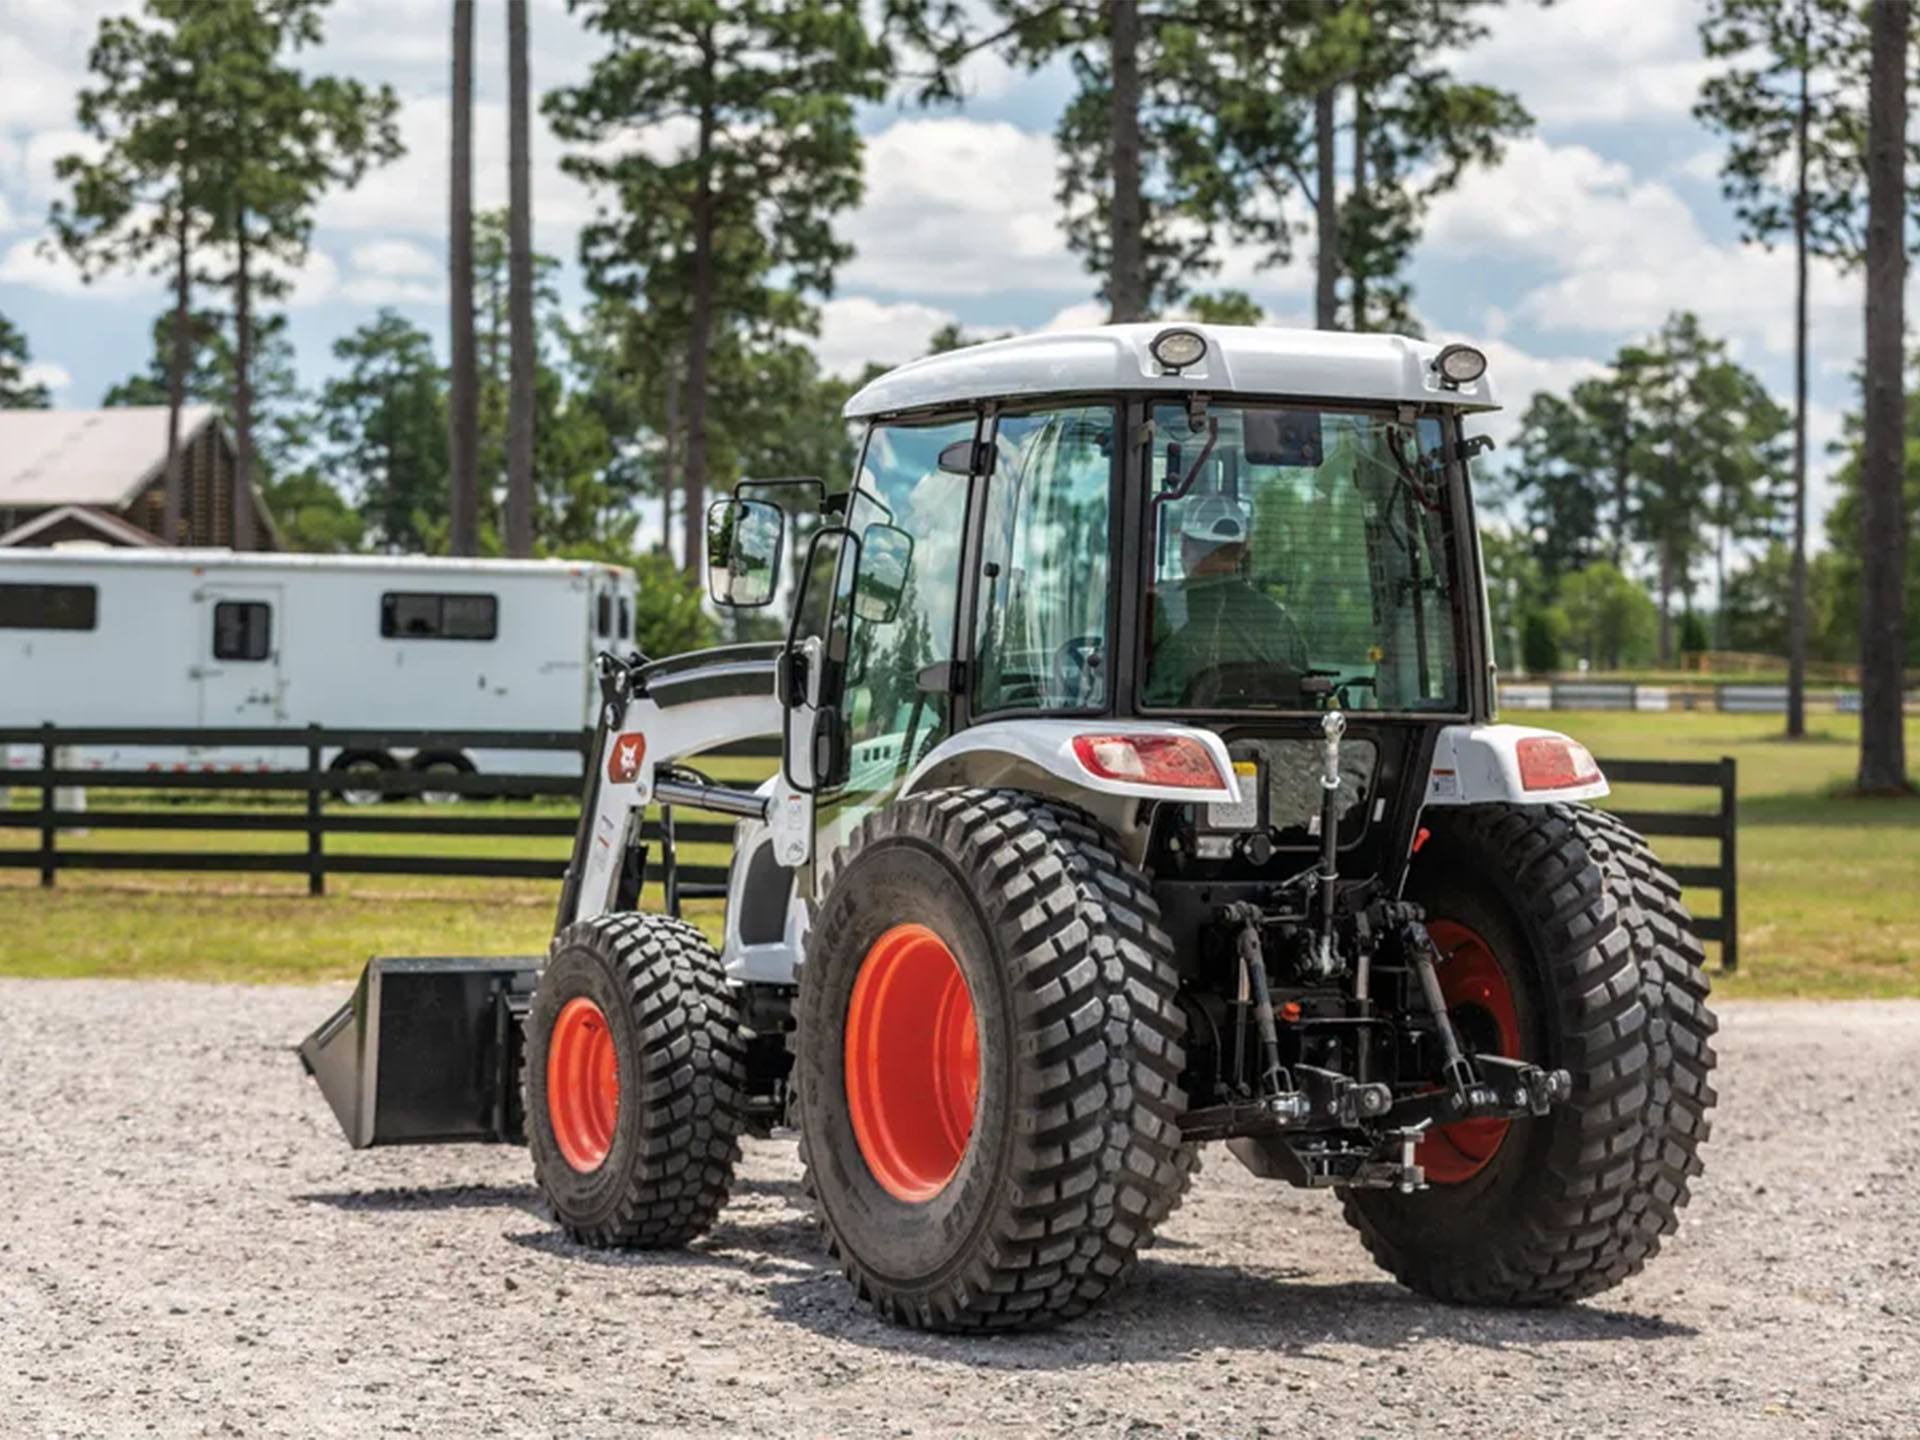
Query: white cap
[(1214, 518)]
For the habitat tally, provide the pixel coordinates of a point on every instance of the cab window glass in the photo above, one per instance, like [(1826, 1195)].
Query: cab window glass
[(1300, 556), (1042, 629), (891, 721)]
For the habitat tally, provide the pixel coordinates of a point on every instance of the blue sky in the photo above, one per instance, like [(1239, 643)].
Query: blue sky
[(1585, 236)]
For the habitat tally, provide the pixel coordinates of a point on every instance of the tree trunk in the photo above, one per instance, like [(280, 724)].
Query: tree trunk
[(1666, 606), (1356, 276), (1883, 759), (1622, 501), (177, 382), (520, 292), (669, 474), (1326, 301), (699, 340), (1127, 284), (463, 416), (242, 388), (1797, 579)]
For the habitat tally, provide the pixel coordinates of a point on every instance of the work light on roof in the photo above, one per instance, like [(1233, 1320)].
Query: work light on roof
[(1460, 364), (1177, 349)]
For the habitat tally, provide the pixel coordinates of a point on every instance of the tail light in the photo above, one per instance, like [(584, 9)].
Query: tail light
[(1553, 762), (1177, 761)]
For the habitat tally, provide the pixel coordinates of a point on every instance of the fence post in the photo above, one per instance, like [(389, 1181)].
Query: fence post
[(1729, 865), (48, 865), (316, 854)]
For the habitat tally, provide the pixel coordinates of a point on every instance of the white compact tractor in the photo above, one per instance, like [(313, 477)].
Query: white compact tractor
[(1140, 787)]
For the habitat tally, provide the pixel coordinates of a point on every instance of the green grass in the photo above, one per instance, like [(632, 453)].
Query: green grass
[(1830, 885)]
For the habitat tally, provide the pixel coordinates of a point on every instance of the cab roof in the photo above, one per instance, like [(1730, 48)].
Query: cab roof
[(1244, 359)]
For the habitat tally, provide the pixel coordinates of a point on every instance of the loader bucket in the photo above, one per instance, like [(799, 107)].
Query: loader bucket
[(426, 1052)]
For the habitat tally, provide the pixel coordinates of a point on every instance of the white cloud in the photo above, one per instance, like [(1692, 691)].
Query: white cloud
[(45, 372), (1594, 61), (410, 195), (1619, 253), (398, 258), (7, 221), (960, 207), (856, 330), (24, 263)]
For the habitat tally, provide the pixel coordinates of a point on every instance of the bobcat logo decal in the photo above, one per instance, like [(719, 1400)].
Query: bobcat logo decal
[(623, 763)]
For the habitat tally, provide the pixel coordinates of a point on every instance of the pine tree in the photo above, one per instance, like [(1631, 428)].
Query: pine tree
[(520, 399), (1787, 101), (722, 234), (1883, 753), (148, 196), (386, 429), (462, 441), (282, 137), (1141, 181), (16, 391), (1308, 81)]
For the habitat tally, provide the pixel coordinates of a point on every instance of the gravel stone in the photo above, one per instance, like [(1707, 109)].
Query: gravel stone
[(187, 1247)]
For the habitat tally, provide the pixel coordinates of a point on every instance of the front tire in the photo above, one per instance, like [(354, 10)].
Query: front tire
[(988, 1058), (1567, 911), (635, 1072)]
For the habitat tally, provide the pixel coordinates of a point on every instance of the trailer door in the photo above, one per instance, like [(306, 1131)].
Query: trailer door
[(242, 633)]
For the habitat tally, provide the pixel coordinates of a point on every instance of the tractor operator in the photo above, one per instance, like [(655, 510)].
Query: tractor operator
[(1214, 631)]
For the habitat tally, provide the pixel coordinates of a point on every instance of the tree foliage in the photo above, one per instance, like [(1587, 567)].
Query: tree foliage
[(720, 143), (1676, 453), (16, 391), (1309, 80)]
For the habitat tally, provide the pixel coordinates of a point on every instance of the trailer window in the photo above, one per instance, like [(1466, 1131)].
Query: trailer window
[(49, 607), (626, 618), (412, 615), (242, 630), (603, 615)]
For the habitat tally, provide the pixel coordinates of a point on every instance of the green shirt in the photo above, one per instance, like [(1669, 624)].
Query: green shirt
[(1201, 625)]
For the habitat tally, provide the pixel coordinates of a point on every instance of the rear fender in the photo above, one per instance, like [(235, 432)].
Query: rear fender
[(1036, 756), (1480, 765)]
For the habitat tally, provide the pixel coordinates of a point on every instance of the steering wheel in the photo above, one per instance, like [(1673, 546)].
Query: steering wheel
[(1338, 688), (1074, 664)]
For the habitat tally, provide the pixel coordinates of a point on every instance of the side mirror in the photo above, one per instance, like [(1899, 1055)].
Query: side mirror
[(886, 559), (743, 551)]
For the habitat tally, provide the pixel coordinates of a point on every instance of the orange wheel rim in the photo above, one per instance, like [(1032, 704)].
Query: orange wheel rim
[(1480, 999), (583, 1084), (912, 1062)]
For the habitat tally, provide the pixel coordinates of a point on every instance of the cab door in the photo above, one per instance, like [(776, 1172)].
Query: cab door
[(893, 629), (239, 675)]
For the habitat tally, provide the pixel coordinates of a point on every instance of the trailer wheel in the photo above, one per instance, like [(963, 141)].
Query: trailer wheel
[(988, 1054), (635, 1067), (362, 763), (442, 764), (1568, 947)]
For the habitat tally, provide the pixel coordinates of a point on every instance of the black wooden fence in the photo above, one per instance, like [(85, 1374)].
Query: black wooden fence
[(324, 814)]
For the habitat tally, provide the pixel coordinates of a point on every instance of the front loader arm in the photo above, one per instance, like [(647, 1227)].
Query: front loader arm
[(656, 714)]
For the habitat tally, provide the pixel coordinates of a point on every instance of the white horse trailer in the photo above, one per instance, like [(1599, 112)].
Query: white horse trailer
[(209, 638)]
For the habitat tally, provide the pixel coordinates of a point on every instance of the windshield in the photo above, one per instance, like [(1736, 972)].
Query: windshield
[(1300, 557)]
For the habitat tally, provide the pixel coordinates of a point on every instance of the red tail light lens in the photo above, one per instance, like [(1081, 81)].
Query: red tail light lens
[(1178, 761), (1553, 762)]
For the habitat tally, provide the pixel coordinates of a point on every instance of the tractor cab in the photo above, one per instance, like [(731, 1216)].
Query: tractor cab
[(1151, 527)]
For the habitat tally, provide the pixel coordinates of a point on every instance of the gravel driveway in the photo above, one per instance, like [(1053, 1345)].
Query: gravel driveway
[(187, 1247)]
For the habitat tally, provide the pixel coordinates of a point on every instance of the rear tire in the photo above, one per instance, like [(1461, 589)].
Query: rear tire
[(635, 1072), (1048, 1175), (1606, 982)]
